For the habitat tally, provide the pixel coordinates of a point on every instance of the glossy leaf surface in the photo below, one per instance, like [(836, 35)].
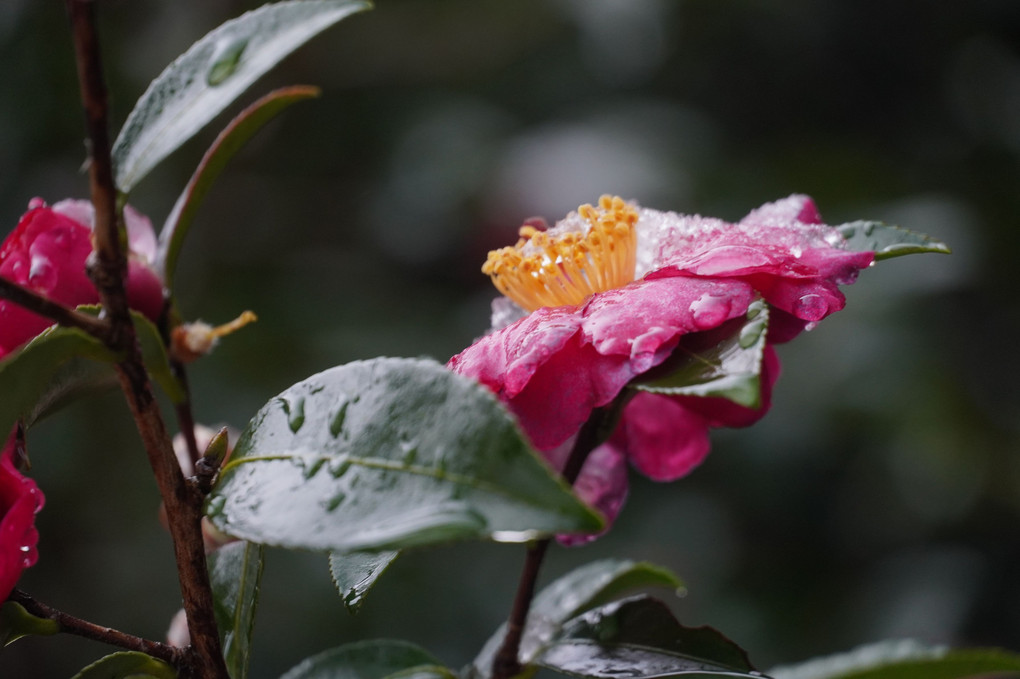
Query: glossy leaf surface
[(128, 665), (214, 71), (574, 593), (236, 573), (906, 660), (229, 142), (385, 454), (725, 362), (61, 364), (356, 573), (16, 623), (888, 241), (371, 660), (639, 637)]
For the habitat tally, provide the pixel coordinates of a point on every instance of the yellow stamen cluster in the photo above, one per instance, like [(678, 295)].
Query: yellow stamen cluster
[(543, 270)]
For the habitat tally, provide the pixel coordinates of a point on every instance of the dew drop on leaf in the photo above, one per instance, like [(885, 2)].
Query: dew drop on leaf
[(338, 468), (335, 501), (295, 413), (336, 423), (226, 60)]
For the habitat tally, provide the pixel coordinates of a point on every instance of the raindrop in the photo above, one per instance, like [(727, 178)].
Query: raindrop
[(339, 467), (709, 310), (295, 413), (811, 307), (335, 501), (26, 548), (869, 228), (225, 61), (42, 275), (750, 334), (216, 505), (410, 449), (336, 423), (310, 467)]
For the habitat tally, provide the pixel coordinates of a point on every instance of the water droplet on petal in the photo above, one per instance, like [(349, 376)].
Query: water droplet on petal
[(811, 307), (226, 60), (42, 275), (710, 310), (36, 203)]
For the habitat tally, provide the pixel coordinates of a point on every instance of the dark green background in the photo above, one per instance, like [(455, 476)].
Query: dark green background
[(881, 496)]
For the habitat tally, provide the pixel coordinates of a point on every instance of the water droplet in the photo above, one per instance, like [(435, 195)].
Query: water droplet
[(42, 275), (796, 252), (336, 423), (310, 467), (216, 505), (226, 60), (869, 228), (410, 450), (26, 548), (709, 310), (335, 501), (750, 334), (811, 307), (339, 466), (295, 412)]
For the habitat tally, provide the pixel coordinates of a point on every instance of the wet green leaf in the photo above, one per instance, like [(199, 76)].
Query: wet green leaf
[(214, 71), (230, 140), (906, 660), (61, 364), (128, 665), (371, 660), (888, 241), (356, 573), (386, 454), (16, 622), (567, 597), (723, 363), (236, 573), (639, 637)]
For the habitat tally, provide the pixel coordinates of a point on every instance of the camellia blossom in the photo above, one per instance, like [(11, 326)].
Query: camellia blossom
[(610, 292), (20, 500), (47, 251)]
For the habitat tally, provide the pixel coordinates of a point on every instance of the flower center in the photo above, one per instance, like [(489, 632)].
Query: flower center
[(543, 269)]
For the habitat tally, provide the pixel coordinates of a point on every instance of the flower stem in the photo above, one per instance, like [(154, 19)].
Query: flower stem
[(595, 431), (204, 658), (69, 624), (55, 311)]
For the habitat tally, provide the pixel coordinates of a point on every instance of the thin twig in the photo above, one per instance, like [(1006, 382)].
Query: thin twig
[(69, 624), (108, 271), (55, 311), (507, 662)]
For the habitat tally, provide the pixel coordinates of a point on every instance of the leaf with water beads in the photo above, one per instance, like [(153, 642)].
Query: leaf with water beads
[(639, 637), (724, 362), (888, 241), (386, 454), (356, 573), (214, 71)]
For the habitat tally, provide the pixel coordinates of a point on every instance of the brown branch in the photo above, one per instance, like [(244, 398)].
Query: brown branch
[(69, 624), (108, 270), (55, 311)]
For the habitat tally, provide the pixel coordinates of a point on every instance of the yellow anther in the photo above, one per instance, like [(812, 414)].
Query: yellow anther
[(544, 270)]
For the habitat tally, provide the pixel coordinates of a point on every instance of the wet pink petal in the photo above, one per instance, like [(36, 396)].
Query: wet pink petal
[(663, 439), (47, 252), (797, 207), (20, 500), (603, 485)]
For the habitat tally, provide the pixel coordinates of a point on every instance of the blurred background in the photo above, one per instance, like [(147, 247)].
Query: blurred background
[(881, 496)]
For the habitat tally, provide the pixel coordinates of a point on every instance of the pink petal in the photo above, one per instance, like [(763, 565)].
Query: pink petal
[(797, 207), (603, 485), (20, 500), (663, 439)]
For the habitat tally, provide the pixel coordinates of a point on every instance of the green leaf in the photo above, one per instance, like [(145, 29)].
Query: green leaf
[(236, 573), (230, 140), (386, 454), (214, 71), (356, 573), (371, 660), (888, 241), (723, 363), (61, 364), (905, 660), (567, 597), (128, 665), (16, 622), (639, 637)]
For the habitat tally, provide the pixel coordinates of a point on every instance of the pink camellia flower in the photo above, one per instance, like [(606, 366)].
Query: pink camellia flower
[(47, 251), (20, 499), (610, 292)]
